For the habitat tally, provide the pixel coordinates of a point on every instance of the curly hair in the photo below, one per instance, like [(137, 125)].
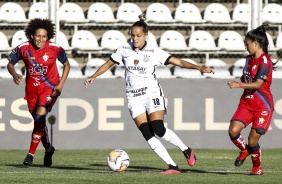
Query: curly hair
[(38, 23)]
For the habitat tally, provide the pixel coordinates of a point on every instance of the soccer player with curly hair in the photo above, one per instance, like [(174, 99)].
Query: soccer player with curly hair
[(43, 83)]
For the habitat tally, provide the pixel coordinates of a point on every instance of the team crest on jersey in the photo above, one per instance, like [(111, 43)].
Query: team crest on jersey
[(146, 58), (261, 121), (254, 67), (136, 61), (45, 57)]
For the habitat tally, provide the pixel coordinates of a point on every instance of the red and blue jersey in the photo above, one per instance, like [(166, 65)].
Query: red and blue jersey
[(258, 68), (40, 64)]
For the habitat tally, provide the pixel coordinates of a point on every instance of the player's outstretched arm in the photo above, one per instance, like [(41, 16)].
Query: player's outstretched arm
[(99, 72), (17, 78), (185, 64)]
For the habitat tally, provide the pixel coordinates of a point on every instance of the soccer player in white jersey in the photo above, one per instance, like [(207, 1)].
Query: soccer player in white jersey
[(144, 94)]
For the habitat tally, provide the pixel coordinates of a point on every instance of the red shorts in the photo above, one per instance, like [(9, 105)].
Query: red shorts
[(40, 96), (261, 119)]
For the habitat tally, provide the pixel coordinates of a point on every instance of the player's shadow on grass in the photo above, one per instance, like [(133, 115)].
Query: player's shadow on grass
[(210, 172), (53, 167)]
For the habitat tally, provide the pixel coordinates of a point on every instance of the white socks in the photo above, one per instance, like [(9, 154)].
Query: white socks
[(160, 150), (171, 137)]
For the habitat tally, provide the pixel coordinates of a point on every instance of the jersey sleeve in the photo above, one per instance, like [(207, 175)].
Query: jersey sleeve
[(116, 56), (263, 69), (62, 57), (15, 56), (162, 56)]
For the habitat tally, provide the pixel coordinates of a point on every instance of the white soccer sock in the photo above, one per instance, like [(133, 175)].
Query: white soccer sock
[(160, 150), (171, 137)]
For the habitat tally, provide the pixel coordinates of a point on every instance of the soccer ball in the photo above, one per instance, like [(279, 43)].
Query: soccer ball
[(118, 160)]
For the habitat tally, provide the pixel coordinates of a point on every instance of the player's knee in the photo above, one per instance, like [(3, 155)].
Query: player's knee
[(158, 127), (146, 131), (39, 118)]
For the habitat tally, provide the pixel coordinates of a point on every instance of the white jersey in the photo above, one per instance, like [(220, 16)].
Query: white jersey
[(140, 68)]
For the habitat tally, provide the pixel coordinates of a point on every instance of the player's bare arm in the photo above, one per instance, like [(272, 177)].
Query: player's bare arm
[(99, 72), (58, 89), (185, 64), (253, 85), (17, 78)]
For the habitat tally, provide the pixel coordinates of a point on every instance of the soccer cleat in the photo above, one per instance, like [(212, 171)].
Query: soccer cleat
[(190, 156), (256, 171), (241, 158), (48, 157), (171, 170), (28, 160)]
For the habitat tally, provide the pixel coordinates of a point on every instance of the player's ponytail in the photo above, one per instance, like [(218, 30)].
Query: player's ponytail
[(259, 35), (141, 23)]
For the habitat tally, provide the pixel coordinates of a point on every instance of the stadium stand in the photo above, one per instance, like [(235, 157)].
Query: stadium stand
[(4, 71), (71, 12), (111, 39), (238, 67), (201, 40), (272, 13), (12, 12)]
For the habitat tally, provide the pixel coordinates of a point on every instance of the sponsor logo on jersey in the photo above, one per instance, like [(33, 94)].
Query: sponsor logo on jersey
[(45, 57), (264, 113)]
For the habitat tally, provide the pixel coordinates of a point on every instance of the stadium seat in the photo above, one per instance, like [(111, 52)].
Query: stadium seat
[(84, 40), (231, 40), (158, 13), (128, 12), (220, 69), (75, 71), (62, 40), (272, 13), (38, 10), (277, 73), (187, 73), (18, 38), (188, 13), (279, 41), (172, 40), (217, 13), (119, 70), (4, 43), (92, 66), (4, 73), (241, 13), (271, 42), (12, 12), (100, 13), (201, 40), (111, 39), (238, 67), (71, 12), (152, 39), (163, 72)]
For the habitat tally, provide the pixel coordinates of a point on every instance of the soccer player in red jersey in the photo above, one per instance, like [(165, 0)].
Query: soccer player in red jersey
[(43, 83), (256, 103)]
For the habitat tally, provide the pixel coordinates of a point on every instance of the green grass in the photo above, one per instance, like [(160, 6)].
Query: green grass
[(89, 166)]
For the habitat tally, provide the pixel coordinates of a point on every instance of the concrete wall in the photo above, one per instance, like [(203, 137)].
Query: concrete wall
[(199, 111)]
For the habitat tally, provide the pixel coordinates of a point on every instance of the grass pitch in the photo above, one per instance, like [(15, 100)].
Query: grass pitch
[(214, 166)]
